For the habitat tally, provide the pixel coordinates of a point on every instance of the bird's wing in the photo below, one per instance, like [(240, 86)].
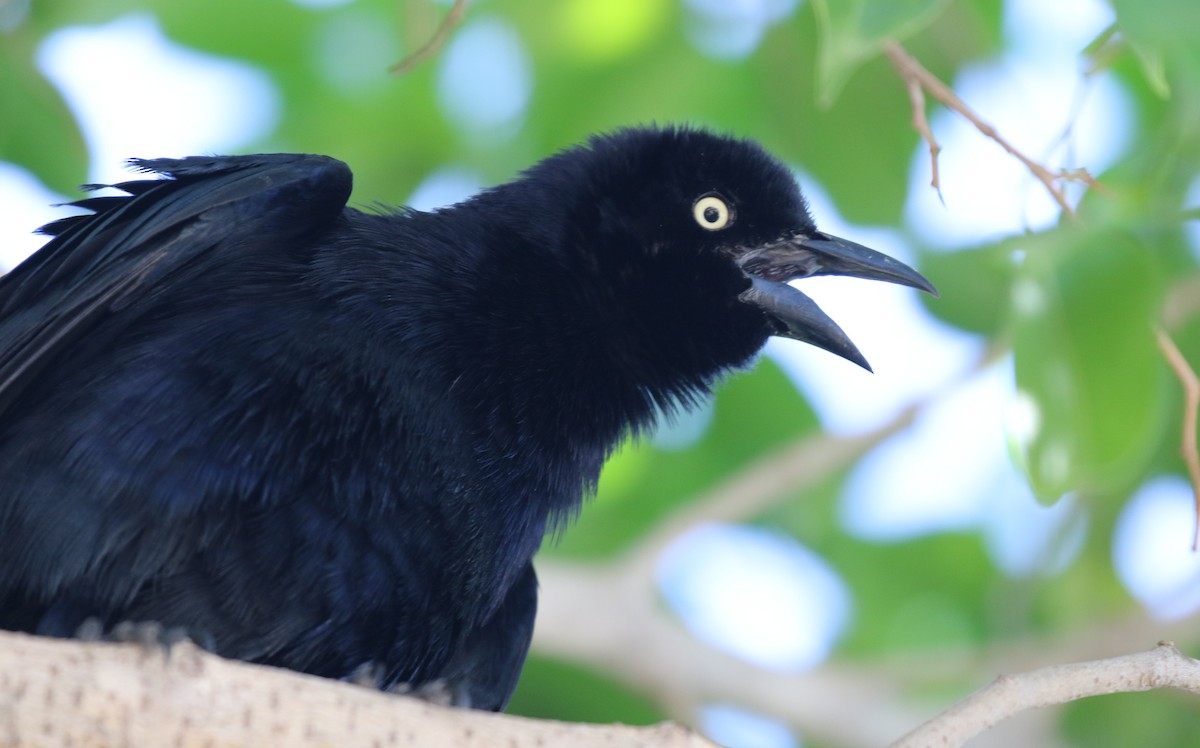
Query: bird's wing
[(101, 267)]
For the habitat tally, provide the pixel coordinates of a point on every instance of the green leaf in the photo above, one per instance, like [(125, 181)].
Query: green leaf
[(1154, 69), (975, 286), (853, 31), (1163, 34), (1090, 380), (40, 133)]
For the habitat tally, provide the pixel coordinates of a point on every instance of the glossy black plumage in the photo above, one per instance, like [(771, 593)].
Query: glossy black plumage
[(332, 440)]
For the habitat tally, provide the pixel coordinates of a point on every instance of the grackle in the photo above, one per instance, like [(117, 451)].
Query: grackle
[(332, 440)]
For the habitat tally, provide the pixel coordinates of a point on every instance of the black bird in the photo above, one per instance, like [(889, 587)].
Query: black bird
[(331, 440)]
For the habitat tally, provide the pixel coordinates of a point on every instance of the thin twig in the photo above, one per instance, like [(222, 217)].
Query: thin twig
[(1181, 302), (1162, 667), (1191, 404), (1083, 176), (916, 95), (912, 71), (449, 23)]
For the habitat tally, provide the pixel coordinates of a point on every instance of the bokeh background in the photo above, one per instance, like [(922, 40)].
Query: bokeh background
[(847, 552)]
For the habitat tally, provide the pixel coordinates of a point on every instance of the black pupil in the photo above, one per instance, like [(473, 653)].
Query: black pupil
[(711, 214)]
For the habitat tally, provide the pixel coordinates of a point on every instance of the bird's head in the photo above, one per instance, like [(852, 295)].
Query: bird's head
[(720, 218)]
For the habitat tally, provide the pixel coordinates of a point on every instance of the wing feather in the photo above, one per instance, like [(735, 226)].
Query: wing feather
[(137, 246)]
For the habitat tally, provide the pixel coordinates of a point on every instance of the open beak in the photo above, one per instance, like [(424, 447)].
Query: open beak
[(770, 266)]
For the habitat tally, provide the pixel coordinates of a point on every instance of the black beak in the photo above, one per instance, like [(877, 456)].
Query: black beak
[(796, 316)]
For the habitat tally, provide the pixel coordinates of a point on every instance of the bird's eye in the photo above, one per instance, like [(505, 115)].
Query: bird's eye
[(712, 213)]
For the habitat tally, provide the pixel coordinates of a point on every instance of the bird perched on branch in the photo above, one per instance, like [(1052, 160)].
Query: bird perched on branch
[(331, 440)]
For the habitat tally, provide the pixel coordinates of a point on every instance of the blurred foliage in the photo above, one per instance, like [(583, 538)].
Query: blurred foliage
[(1099, 423), (555, 690), (1077, 311)]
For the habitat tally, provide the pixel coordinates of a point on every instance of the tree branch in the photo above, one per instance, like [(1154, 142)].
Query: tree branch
[(915, 75), (57, 693), (1162, 667), (609, 619)]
